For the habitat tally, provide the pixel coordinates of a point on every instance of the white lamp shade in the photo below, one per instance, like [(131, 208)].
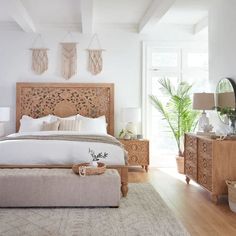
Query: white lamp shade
[(131, 114), (203, 101), (4, 114)]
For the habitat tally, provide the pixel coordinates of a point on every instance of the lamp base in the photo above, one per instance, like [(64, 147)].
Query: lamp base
[(132, 127), (203, 121)]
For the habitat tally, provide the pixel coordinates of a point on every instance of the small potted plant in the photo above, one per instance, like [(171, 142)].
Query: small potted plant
[(125, 134), (177, 112)]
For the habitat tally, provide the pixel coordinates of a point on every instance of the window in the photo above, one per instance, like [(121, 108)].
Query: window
[(177, 64)]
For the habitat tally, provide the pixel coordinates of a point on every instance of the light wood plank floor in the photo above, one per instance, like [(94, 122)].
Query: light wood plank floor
[(190, 203)]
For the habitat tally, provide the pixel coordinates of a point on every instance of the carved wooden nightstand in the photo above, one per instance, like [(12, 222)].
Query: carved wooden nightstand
[(138, 151)]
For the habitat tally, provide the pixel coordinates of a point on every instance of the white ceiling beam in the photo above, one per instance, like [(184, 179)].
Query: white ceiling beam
[(155, 12), (200, 26), (18, 12), (86, 7)]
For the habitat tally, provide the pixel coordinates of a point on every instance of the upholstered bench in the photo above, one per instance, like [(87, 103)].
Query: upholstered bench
[(58, 187)]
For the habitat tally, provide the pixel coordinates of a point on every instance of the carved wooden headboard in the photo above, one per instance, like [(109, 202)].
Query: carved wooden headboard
[(65, 99)]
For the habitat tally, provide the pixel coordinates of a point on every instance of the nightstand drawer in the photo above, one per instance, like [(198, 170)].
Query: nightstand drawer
[(138, 152), (134, 146), (137, 158)]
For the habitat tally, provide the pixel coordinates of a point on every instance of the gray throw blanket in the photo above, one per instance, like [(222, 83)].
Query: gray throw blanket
[(78, 138)]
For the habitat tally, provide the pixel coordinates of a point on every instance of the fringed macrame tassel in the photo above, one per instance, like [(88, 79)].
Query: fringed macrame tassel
[(39, 60), (69, 60), (95, 61)]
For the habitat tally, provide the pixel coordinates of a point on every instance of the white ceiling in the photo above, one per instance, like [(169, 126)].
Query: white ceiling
[(32, 15), (53, 11), (186, 12), (120, 11)]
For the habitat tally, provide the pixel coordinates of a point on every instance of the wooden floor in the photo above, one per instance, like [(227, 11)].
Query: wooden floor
[(190, 203)]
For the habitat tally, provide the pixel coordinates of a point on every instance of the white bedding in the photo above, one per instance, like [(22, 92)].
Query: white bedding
[(49, 152)]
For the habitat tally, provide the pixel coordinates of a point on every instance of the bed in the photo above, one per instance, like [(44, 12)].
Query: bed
[(66, 99)]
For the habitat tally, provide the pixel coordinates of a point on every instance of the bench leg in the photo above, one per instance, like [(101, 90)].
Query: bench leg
[(123, 171), (124, 188)]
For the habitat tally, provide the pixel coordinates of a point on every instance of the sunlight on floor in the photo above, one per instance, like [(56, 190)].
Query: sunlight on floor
[(173, 173)]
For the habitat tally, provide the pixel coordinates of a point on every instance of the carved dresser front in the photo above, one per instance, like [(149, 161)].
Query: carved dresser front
[(210, 162)]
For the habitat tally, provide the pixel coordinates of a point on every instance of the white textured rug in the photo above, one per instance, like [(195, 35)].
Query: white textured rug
[(143, 212)]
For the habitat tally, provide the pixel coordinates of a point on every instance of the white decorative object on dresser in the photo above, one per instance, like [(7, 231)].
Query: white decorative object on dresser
[(210, 162)]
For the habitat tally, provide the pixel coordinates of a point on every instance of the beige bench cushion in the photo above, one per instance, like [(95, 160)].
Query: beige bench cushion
[(57, 187)]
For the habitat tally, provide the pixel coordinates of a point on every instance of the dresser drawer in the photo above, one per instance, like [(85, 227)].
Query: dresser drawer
[(205, 148), (191, 156), (205, 179), (205, 164), (190, 170), (190, 143)]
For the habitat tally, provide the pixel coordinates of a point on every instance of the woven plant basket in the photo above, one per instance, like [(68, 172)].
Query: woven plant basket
[(232, 194), (180, 164), (83, 169)]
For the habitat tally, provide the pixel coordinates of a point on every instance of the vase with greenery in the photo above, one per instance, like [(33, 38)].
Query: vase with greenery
[(230, 114), (177, 111)]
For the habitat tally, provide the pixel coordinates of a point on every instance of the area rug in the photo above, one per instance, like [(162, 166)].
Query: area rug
[(142, 212)]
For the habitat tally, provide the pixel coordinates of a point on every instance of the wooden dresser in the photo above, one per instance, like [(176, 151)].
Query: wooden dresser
[(138, 151), (210, 162)]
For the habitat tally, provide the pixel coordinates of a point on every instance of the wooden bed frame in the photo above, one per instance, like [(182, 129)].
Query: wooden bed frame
[(66, 99)]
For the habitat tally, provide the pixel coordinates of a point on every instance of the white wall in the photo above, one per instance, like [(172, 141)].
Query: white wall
[(121, 65), (122, 62), (222, 38), (222, 44)]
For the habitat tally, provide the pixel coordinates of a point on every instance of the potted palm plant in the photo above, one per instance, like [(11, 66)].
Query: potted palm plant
[(177, 112)]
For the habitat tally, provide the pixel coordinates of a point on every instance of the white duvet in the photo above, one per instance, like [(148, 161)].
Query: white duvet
[(49, 152)]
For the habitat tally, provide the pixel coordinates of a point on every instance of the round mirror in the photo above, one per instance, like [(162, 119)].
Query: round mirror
[(226, 100)]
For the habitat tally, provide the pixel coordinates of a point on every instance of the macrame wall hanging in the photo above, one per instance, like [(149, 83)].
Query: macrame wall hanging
[(95, 62), (69, 59), (39, 57)]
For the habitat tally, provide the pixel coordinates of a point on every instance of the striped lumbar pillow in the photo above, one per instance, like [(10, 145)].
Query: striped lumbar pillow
[(69, 125)]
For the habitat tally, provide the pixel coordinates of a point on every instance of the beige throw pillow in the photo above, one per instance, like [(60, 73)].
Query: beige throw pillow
[(69, 125), (53, 126)]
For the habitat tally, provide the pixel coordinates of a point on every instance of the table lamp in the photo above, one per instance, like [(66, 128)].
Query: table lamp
[(225, 100), (4, 117), (203, 101), (131, 116)]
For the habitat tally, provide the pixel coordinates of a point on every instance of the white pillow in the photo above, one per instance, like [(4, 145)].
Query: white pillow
[(92, 125), (43, 118), (28, 124)]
